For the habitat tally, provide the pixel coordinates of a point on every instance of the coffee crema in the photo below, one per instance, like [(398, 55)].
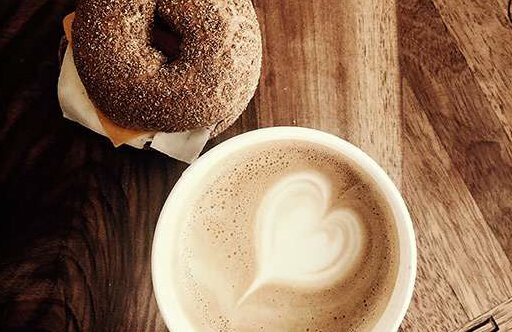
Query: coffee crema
[(286, 236)]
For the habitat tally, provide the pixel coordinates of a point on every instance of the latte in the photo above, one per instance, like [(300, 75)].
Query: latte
[(286, 236)]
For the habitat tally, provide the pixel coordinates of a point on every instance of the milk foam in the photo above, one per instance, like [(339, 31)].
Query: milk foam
[(300, 240), (286, 237)]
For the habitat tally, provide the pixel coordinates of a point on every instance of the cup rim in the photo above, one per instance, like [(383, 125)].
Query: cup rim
[(398, 304)]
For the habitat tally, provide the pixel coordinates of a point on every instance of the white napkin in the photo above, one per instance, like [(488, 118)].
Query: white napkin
[(76, 106)]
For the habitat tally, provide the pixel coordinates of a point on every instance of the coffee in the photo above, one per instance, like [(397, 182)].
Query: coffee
[(286, 236)]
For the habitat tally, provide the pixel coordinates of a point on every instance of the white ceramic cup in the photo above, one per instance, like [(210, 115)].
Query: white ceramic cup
[(168, 225)]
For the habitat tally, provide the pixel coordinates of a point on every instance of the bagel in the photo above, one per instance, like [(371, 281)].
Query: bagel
[(137, 87)]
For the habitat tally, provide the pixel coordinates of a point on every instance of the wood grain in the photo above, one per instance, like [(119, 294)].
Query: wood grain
[(463, 269), (497, 319), (485, 44), (333, 66), (483, 33), (462, 204), (424, 86)]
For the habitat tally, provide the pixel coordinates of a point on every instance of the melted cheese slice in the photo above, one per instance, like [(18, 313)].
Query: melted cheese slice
[(67, 23), (115, 133)]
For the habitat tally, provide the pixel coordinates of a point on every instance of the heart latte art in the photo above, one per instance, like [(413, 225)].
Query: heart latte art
[(300, 240), (289, 236)]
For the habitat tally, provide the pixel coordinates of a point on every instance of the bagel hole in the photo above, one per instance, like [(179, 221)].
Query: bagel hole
[(165, 39)]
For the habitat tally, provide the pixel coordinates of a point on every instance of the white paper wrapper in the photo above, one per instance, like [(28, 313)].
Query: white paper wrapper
[(76, 106)]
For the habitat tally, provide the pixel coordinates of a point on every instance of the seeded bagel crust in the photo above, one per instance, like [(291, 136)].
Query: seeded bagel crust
[(137, 87)]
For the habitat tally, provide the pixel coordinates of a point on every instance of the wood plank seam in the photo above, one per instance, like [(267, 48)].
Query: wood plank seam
[(489, 322), (502, 133), (450, 96), (497, 319), (481, 37), (478, 211)]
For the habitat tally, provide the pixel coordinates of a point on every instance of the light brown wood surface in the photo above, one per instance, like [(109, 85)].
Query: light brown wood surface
[(423, 86), (456, 89), (331, 66), (497, 319)]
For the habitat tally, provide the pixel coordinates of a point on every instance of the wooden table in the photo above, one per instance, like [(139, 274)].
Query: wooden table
[(424, 86)]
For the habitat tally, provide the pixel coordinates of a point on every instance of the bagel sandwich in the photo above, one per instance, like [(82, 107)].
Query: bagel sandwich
[(120, 85)]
